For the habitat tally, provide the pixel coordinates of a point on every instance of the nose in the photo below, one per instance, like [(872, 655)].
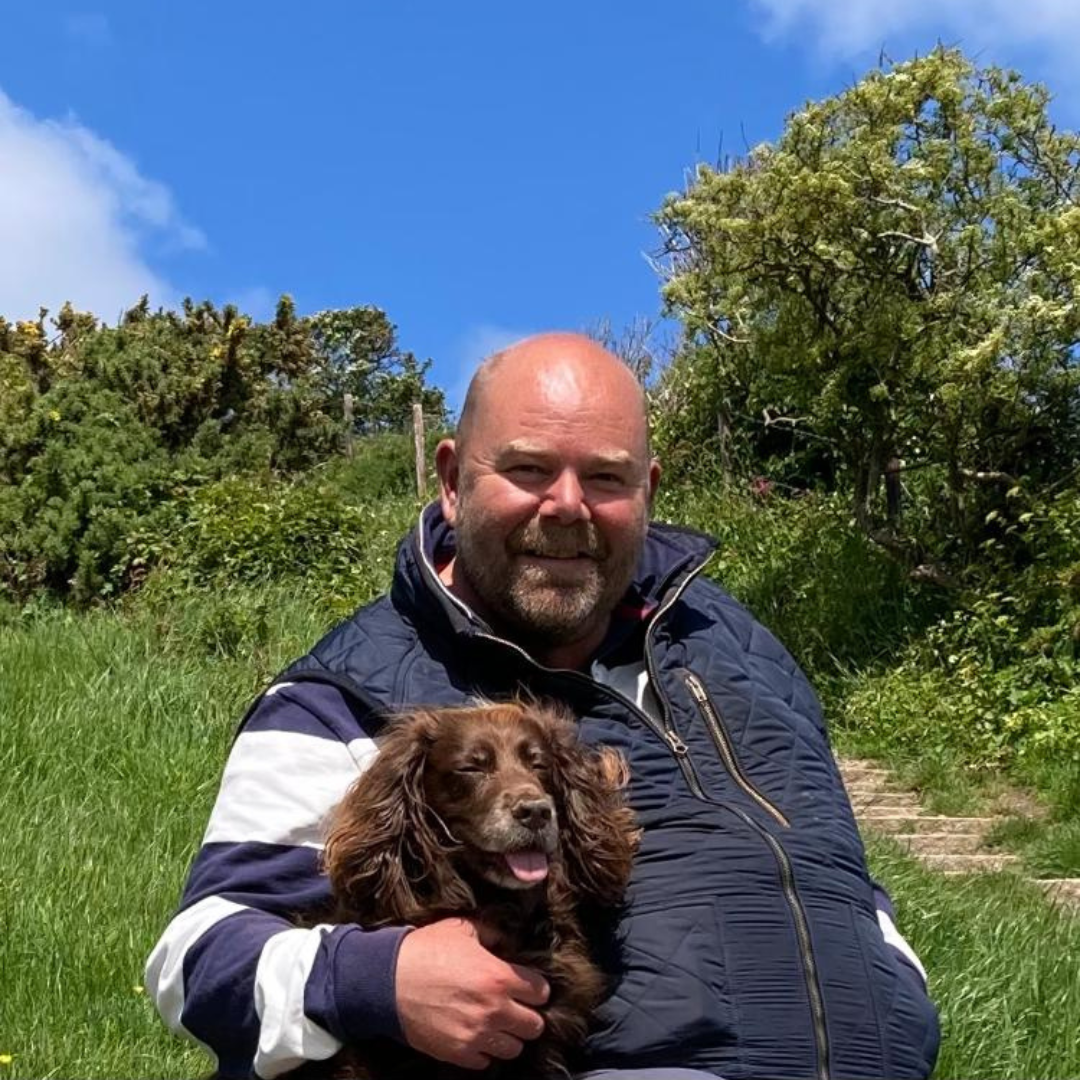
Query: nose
[(565, 499), (533, 813)]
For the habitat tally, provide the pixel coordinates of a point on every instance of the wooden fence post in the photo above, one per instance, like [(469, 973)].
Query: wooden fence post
[(348, 426), (418, 449)]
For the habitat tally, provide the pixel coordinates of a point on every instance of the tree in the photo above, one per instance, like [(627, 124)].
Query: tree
[(896, 277), (356, 351), (101, 426)]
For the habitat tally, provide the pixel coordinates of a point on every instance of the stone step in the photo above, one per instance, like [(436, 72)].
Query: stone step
[(1064, 891), (867, 775), (940, 843), (969, 864), (852, 771), (869, 814), (928, 823), (880, 799), (863, 787)]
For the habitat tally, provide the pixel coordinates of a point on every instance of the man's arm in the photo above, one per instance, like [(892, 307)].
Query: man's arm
[(231, 970), (904, 951), (909, 962), (234, 973)]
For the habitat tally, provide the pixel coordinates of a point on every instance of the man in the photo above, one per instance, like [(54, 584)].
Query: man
[(753, 943)]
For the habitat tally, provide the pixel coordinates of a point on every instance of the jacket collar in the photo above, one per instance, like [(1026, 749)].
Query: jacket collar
[(670, 554)]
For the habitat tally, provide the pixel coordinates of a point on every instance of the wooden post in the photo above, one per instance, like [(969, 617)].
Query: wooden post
[(723, 432), (418, 449), (349, 426), (894, 498)]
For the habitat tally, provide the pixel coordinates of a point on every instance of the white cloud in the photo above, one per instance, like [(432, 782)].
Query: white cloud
[(77, 220), (844, 28), (476, 344)]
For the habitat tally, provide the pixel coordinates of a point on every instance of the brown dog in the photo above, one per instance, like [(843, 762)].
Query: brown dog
[(499, 814)]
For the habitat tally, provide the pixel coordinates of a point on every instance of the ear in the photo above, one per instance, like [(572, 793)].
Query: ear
[(446, 464), (381, 845), (598, 832), (654, 480)]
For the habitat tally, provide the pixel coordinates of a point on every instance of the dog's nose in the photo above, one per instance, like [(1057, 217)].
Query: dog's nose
[(532, 813)]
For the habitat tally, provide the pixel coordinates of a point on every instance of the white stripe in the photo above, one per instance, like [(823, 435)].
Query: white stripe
[(271, 691), (893, 937), (278, 787), (164, 976), (287, 1038)]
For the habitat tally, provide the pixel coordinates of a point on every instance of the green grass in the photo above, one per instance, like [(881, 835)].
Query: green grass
[(1002, 965), (115, 730), (116, 725)]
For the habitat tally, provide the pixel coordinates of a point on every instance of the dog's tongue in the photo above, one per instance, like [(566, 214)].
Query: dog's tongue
[(527, 865)]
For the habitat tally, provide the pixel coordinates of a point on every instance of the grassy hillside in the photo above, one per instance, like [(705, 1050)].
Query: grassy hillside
[(116, 726), (117, 721)]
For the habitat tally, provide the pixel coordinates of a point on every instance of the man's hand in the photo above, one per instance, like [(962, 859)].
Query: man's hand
[(459, 1003)]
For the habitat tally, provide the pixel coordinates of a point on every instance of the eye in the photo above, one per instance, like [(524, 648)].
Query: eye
[(472, 768), (474, 761), (607, 479), (527, 471)]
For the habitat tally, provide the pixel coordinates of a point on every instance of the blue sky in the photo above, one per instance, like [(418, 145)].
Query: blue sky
[(479, 170)]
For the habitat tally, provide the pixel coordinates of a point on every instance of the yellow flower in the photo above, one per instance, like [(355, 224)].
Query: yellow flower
[(54, 416), (5, 1059), (139, 989)]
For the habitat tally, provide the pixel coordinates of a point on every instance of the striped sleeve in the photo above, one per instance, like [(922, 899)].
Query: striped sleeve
[(233, 971), (886, 920)]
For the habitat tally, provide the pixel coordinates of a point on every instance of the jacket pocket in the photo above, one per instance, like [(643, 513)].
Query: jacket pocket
[(670, 1000)]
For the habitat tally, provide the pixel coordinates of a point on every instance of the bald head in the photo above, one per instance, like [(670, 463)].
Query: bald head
[(553, 362)]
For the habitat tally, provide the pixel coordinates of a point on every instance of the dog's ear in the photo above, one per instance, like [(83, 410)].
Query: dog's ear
[(598, 832), (386, 863)]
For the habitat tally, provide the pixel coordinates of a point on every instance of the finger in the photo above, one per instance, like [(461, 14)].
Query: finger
[(471, 1060), (527, 985), (502, 1046), (522, 1022)]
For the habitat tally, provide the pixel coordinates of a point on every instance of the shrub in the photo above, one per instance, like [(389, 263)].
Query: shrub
[(87, 469), (798, 563), (254, 531)]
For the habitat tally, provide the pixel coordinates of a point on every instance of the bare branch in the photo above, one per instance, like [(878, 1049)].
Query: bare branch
[(935, 575), (898, 203), (792, 420), (723, 335), (926, 241), (991, 477)]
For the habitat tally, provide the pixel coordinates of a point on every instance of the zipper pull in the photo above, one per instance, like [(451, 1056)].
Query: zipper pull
[(678, 747)]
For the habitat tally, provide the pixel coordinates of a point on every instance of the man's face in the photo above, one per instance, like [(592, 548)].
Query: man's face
[(551, 507)]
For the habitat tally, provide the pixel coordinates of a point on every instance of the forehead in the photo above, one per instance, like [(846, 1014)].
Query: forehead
[(493, 728), (562, 408)]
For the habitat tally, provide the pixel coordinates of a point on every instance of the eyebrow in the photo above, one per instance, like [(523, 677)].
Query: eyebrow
[(604, 457)]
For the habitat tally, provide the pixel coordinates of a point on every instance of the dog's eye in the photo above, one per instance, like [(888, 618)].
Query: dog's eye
[(477, 768)]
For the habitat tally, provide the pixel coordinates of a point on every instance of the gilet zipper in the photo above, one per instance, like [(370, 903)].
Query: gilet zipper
[(681, 752), (715, 723)]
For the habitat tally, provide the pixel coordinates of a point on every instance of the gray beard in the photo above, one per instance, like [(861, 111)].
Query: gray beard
[(533, 607)]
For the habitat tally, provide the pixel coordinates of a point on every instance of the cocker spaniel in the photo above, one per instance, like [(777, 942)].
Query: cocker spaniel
[(501, 815)]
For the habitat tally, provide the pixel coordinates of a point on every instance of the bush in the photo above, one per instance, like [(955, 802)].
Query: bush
[(382, 466), (967, 689), (87, 471), (103, 429), (256, 531), (802, 568)]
